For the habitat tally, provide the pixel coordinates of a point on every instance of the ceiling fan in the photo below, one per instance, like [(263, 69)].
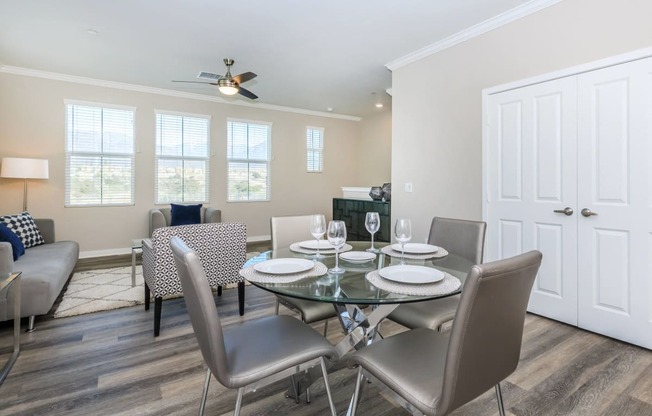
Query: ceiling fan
[(228, 84)]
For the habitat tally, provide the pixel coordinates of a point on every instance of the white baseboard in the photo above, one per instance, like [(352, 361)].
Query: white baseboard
[(127, 250)]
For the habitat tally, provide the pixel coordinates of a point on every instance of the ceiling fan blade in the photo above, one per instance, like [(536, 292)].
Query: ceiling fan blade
[(197, 82), (247, 93), (244, 77)]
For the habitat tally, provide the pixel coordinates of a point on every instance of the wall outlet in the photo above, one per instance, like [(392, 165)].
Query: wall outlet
[(408, 186)]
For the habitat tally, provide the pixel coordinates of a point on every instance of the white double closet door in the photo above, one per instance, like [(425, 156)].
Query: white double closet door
[(557, 152)]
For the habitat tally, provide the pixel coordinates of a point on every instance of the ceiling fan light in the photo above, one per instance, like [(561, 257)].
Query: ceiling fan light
[(227, 86), (228, 90)]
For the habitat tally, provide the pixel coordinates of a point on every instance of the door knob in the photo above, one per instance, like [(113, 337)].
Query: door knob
[(587, 212), (566, 211)]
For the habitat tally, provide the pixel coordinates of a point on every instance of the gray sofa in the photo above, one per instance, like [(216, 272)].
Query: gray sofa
[(45, 269)]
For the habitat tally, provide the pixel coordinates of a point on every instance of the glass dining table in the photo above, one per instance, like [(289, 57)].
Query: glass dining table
[(360, 305)]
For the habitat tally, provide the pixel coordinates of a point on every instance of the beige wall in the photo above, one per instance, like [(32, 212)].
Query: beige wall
[(374, 149), (437, 108), (32, 125)]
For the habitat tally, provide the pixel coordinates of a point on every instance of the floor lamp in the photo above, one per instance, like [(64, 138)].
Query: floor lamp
[(20, 168)]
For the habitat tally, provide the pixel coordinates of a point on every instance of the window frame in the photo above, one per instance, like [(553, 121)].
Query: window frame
[(67, 153), (319, 150), (182, 158), (267, 161)]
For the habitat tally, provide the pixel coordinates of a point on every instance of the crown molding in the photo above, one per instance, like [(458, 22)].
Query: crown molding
[(473, 31), (8, 69)]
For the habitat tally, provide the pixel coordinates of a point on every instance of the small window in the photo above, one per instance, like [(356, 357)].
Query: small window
[(315, 149), (99, 155), (182, 158), (248, 151)]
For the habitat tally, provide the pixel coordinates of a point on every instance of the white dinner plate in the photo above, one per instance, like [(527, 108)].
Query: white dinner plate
[(416, 248), (284, 266), (411, 274), (312, 245), (357, 256)]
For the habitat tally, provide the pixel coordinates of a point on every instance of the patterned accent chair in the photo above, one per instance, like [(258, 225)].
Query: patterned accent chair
[(220, 246)]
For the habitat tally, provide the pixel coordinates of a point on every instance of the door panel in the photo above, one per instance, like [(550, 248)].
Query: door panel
[(532, 156), (614, 144)]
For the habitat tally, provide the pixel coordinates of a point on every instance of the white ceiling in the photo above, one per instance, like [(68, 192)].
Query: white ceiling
[(308, 54)]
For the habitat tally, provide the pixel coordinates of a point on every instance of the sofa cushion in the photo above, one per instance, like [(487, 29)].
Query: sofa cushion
[(185, 214), (17, 246), (25, 228)]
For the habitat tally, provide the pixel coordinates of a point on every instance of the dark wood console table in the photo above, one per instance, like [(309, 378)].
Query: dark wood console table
[(353, 212)]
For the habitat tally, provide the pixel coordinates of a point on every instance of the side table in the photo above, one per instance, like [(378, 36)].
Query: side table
[(6, 282), (136, 247)]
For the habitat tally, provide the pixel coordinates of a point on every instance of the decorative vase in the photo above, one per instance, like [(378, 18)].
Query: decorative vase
[(376, 193), (387, 191)]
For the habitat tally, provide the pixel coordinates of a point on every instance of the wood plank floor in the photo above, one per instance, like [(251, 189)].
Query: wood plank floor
[(109, 363)]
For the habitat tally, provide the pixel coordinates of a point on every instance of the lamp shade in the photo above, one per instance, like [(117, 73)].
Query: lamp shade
[(15, 167)]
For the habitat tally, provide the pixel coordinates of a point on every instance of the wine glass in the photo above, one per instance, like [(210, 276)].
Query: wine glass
[(372, 224), (337, 237), (403, 234), (317, 229)]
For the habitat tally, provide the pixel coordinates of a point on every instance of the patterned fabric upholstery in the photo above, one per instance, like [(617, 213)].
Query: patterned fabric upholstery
[(220, 246)]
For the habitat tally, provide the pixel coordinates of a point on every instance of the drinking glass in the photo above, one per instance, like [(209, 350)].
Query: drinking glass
[(317, 229), (372, 224), (403, 234), (337, 237)]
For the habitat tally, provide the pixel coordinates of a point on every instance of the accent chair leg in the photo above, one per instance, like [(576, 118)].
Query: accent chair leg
[(30, 325), (499, 398), (147, 296), (205, 392), (241, 297), (158, 304), (219, 291)]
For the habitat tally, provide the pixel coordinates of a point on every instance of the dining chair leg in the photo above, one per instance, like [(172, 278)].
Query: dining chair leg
[(499, 398), (295, 388), (356, 393), (328, 387), (325, 327), (204, 393), (238, 402), (276, 308)]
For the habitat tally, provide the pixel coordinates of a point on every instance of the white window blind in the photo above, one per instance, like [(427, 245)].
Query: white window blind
[(182, 158), (315, 149), (99, 155), (248, 155)]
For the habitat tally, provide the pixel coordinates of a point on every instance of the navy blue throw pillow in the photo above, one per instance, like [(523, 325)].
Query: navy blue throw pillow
[(185, 214), (17, 247)]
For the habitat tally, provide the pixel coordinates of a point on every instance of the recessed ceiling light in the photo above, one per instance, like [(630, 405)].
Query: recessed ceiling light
[(330, 109), (379, 105), (91, 32)]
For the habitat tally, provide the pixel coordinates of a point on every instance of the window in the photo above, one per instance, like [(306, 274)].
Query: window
[(99, 155), (315, 149), (182, 158), (248, 152)]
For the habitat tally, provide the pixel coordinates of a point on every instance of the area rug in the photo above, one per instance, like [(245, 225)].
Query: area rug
[(103, 290)]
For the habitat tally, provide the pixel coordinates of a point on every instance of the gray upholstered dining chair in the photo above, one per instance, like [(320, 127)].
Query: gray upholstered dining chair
[(434, 373), (285, 231), (250, 355), (460, 237)]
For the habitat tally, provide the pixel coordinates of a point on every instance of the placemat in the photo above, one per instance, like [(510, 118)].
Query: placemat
[(298, 249), (445, 286), (393, 253), (253, 275)]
